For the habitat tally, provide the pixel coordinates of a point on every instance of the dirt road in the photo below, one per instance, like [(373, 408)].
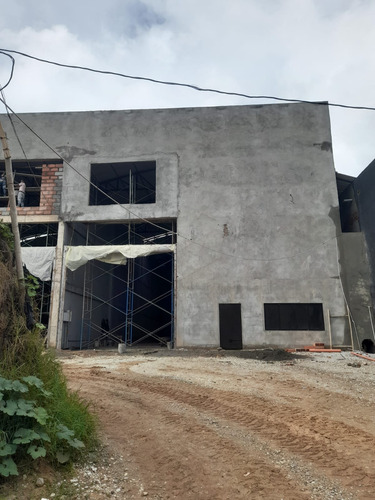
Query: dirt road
[(191, 427)]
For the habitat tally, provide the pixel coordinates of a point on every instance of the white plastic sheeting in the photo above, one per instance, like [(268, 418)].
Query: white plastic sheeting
[(39, 261), (113, 254)]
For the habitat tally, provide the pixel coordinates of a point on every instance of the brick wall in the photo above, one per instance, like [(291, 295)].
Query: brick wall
[(50, 193)]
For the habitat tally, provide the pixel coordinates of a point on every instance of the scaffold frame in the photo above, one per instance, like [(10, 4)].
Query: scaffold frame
[(144, 314)]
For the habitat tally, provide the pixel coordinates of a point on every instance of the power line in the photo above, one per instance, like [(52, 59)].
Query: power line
[(11, 71), (71, 166), (147, 221), (7, 52), (19, 140)]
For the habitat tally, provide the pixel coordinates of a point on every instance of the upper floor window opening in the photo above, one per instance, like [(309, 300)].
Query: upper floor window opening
[(31, 173), (124, 183)]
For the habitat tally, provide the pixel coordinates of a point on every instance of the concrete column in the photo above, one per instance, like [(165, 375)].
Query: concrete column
[(54, 329)]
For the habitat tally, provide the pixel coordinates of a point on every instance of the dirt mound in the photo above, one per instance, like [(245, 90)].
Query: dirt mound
[(269, 355)]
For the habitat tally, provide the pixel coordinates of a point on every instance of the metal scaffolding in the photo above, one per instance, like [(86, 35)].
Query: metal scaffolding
[(38, 235), (133, 303)]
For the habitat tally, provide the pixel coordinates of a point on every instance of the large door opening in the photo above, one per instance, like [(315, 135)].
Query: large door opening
[(107, 304)]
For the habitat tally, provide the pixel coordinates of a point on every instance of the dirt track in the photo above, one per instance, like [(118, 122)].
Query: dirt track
[(222, 428)]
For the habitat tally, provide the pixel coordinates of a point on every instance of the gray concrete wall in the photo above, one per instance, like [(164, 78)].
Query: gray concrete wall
[(258, 198), (254, 191), (356, 282), (365, 198)]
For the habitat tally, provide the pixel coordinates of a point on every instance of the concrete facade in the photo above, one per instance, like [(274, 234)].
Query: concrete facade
[(364, 195), (253, 191)]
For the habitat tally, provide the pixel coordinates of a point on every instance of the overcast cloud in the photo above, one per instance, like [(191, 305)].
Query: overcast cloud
[(304, 49)]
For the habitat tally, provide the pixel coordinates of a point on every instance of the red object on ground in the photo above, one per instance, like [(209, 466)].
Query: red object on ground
[(324, 350), (312, 349), (363, 356)]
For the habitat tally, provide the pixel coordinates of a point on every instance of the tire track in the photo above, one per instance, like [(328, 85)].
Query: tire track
[(329, 445), (192, 459)]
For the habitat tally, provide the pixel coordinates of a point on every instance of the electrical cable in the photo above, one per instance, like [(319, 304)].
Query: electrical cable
[(11, 71), (7, 52), (37, 183)]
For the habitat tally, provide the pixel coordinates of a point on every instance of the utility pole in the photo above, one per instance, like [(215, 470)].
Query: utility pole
[(12, 205)]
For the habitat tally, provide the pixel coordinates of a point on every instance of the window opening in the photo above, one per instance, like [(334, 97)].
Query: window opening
[(349, 213), (31, 173), (293, 316), (124, 183), (38, 235)]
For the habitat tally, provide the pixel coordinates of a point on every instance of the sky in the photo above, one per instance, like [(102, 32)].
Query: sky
[(318, 50)]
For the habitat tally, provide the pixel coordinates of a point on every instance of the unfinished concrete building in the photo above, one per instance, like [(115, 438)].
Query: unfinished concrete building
[(186, 227), (357, 249)]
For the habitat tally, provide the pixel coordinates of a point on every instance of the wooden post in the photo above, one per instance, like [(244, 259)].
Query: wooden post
[(350, 326), (329, 329), (12, 205)]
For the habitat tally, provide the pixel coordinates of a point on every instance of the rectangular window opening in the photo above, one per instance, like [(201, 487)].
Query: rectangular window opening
[(294, 317), (31, 173), (38, 235), (124, 183)]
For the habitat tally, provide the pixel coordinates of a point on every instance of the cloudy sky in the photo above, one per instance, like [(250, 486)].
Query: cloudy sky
[(302, 49)]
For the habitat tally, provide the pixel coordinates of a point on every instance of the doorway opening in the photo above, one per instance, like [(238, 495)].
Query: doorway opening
[(110, 303), (230, 326)]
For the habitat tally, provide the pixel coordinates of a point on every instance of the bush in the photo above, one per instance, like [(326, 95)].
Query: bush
[(26, 426), (39, 416)]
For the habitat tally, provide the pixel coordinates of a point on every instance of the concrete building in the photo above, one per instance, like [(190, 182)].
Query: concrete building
[(357, 249), (220, 225)]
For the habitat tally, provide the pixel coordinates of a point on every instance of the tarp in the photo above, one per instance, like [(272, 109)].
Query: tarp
[(39, 261), (113, 254)]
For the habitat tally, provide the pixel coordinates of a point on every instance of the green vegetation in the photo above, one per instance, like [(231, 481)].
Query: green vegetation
[(6, 235), (39, 416), (27, 427)]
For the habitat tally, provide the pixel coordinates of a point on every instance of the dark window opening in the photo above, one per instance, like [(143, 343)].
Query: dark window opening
[(293, 317), (31, 173), (38, 235), (125, 183), (349, 213)]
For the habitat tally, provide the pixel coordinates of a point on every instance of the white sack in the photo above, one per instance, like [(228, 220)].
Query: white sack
[(113, 254), (39, 261)]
